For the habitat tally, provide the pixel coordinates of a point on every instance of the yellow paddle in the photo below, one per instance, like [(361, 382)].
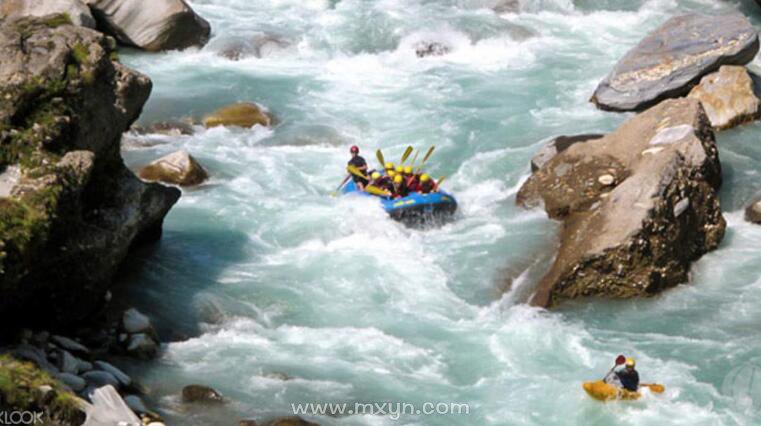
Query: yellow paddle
[(438, 183), (356, 172), (372, 189), (381, 160), (414, 157), (425, 159), (654, 387), (406, 154)]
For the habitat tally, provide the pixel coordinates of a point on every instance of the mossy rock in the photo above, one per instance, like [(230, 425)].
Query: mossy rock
[(242, 114)]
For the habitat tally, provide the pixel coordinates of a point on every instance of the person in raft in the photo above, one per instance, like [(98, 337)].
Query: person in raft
[(626, 378), (361, 165), (400, 187)]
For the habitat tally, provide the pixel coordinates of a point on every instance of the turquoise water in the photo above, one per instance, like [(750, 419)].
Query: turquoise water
[(261, 272)]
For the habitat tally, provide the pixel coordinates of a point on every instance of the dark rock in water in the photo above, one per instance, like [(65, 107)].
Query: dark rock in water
[(556, 145), (242, 114), (70, 345), (134, 321), (124, 380), (135, 404), (431, 48), (673, 58), (151, 24), (290, 421), (247, 423), (142, 346), (168, 128), (753, 212), (76, 209), (728, 96), (639, 205), (200, 393), (507, 6), (259, 46), (177, 168)]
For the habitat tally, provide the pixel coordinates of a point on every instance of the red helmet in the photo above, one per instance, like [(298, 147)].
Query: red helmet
[(354, 149)]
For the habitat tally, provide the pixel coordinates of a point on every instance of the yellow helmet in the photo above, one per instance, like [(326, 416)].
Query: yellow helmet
[(375, 175), (391, 173), (424, 178), (399, 169), (398, 179), (630, 362), (408, 170), (389, 165)]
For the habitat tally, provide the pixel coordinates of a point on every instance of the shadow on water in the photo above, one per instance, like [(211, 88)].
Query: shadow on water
[(173, 281)]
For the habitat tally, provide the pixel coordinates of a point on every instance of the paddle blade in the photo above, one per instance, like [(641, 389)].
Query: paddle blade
[(381, 160), (377, 191), (406, 154), (355, 171), (414, 157), (620, 360), (655, 387), (428, 154)]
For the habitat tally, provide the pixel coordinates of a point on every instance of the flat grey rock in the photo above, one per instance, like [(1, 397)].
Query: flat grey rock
[(124, 379), (672, 59)]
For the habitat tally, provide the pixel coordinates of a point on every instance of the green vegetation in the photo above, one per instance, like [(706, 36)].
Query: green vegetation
[(58, 20), (20, 384)]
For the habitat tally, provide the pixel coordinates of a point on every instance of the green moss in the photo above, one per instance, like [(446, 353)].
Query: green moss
[(80, 53), (19, 386), (58, 20)]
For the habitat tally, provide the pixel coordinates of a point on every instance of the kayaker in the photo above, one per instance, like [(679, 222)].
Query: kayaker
[(628, 376), (426, 184), (361, 165), (400, 189)]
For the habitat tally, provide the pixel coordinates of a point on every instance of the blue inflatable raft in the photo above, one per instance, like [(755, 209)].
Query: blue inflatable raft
[(416, 208)]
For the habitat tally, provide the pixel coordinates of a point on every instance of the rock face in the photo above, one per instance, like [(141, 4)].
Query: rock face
[(638, 205), (728, 97), (556, 145), (152, 25), (178, 168), (673, 58), (76, 209), (241, 114), (77, 10)]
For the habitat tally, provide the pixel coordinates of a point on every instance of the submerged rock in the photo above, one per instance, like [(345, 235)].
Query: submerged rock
[(178, 168), (65, 103), (167, 128), (200, 393), (728, 97), (259, 46), (151, 25), (142, 346), (124, 380), (290, 421), (673, 58), (556, 145), (431, 48), (76, 10), (244, 114), (637, 232), (753, 212), (134, 321)]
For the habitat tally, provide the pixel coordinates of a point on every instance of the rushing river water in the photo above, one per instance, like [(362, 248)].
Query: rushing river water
[(269, 276)]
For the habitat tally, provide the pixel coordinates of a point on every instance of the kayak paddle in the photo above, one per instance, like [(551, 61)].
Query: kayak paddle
[(414, 157), (654, 387), (406, 154), (372, 189), (427, 156), (356, 172), (381, 160), (619, 361), (335, 193)]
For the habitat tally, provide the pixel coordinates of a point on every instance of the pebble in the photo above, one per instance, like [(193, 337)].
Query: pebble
[(68, 362), (124, 379), (606, 179), (135, 404), (100, 378), (135, 322), (70, 345), (76, 383)]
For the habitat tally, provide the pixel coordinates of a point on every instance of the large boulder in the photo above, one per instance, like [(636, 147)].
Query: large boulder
[(243, 114), (673, 58), (75, 10), (753, 211), (556, 145), (76, 210), (177, 168), (728, 97), (151, 25), (200, 393), (639, 205)]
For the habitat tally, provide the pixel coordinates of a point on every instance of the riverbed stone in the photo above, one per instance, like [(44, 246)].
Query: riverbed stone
[(558, 144), (200, 393), (100, 378), (76, 383), (672, 59), (637, 236), (753, 211), (142, 345), (70, 345), (134, 321), (177, 168), (243, 114), (728, 97), (124, 380)]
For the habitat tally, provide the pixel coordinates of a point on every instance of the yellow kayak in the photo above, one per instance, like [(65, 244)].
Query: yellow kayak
[(602, 391)]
